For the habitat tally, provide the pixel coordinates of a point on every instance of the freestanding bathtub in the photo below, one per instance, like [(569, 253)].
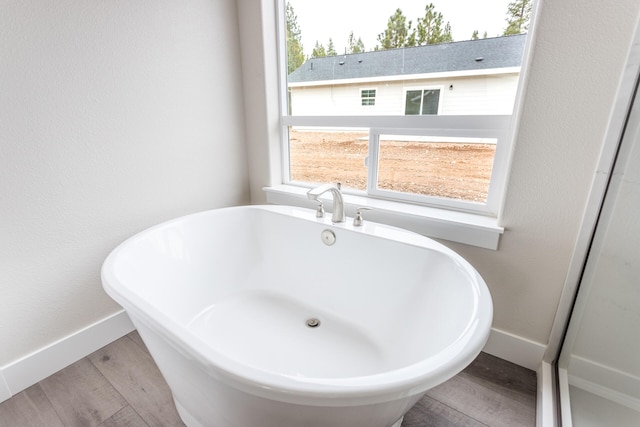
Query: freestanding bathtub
[(256, 320)]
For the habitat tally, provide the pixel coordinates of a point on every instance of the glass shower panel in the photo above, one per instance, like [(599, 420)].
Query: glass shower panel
[(600, 361)]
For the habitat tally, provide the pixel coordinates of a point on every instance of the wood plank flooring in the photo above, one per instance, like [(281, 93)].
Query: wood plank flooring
[(120, 386)]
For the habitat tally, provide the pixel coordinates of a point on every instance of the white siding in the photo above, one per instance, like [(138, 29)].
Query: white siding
[(480, 95), (494, 94)]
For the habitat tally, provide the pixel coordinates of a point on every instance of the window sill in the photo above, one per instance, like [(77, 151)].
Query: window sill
[(461, 227)]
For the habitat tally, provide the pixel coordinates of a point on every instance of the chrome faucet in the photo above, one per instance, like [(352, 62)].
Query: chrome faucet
[(338, 202)]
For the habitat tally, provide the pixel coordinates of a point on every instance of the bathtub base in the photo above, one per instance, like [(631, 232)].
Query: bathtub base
[(187, 418), (191, 421), (204, 401)]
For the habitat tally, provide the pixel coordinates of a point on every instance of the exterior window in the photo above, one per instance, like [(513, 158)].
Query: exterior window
[(439, 134), (422, 102), (368, 97)]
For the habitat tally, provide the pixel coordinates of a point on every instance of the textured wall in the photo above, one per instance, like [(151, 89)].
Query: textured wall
[(113, 116)]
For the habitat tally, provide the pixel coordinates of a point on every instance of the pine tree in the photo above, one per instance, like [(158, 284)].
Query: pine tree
[(318, 51), (355, 46), (331, 48), (430, 29), (446, 34), (518, 15), (295, 52), (398, 32)]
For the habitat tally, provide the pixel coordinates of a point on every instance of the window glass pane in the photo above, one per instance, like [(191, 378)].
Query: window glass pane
[(478, 71), (413, 102), (329, 155), (368, 97), (454, 168), (457, 58), (430, 101)]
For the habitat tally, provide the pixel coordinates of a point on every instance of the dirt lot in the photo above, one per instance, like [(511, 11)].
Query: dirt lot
[(452, 170)]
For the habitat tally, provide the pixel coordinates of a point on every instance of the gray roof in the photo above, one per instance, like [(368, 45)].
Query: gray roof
[(498, 52)]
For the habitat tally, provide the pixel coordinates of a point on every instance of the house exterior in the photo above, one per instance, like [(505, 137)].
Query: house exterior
[(459, 78)]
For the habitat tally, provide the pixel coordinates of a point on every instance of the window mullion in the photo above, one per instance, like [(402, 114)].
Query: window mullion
[(466, 125), (372, 160)]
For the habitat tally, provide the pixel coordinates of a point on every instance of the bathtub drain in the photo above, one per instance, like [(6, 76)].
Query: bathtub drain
[(313, 322)]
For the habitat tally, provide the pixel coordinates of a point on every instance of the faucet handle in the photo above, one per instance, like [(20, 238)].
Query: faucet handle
[(320, 211), (358, 220)]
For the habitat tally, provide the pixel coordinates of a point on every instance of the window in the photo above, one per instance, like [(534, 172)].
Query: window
[(422, 101), (368, 97), (439, 133)]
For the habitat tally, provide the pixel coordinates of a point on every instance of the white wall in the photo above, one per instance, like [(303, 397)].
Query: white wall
[(113, 116), (470, 95), (580, 50), (578, 59)]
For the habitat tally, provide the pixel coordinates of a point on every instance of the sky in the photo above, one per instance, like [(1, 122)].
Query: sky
[(321, 19)]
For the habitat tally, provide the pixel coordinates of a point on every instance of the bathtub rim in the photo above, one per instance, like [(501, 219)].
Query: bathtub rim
[(394, 384)]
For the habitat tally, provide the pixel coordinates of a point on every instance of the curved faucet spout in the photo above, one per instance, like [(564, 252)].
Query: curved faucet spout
[(338, 203)]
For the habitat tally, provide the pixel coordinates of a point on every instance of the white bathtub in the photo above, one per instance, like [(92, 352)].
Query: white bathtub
[(222, 299)]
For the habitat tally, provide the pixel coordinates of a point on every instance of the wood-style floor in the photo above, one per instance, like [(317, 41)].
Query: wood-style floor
[(120, 385)]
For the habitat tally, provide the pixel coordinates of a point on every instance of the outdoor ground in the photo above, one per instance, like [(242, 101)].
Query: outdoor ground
[(452, 170)]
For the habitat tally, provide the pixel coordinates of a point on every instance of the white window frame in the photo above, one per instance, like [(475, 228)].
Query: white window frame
[(374, 97), (422, 88), (497, 172), (474, 226), (474, 126)]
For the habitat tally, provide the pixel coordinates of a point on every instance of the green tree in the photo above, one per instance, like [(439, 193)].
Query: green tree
[(318, 51), (355, 46), (398, 32), (331, 48), (518, 15), (430, 28), (295, 51), (474, 36), (484, 35), (446, 34)]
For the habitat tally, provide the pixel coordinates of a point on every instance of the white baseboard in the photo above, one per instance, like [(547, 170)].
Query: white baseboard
[(40, 364), (605, 381), (515, 349)]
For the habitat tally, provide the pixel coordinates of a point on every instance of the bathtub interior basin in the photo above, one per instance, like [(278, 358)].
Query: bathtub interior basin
[(259, 302)]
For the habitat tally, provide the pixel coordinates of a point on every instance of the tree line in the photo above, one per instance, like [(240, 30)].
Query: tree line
[(399, 32)]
